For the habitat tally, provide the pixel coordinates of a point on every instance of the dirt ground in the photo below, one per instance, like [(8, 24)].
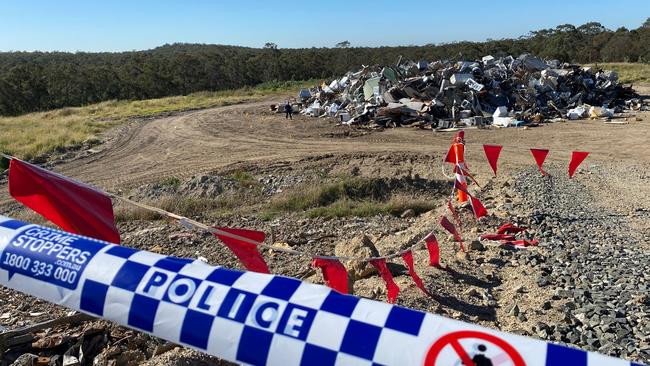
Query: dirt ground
[(207, 140), (483, 287)]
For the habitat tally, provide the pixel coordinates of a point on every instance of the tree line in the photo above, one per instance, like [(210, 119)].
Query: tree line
[(33, 81)]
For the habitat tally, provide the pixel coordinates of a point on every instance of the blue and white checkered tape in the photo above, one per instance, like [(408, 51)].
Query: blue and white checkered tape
[(248, 317)]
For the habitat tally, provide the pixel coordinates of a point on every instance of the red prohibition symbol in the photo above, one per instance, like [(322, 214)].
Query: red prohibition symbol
[(452, 340)]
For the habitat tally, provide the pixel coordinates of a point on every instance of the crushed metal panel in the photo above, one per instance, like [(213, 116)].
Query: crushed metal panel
[(370, 86), (532, 63)]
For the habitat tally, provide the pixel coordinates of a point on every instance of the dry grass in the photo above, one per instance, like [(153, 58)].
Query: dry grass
[(347, 197), (395, 206), (34, 134), (628, 72)]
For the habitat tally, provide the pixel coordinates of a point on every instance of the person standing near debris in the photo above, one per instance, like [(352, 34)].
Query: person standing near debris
[(288, 110)]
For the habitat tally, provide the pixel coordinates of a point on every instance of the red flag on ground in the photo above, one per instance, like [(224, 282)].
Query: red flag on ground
[(73, 206), (334, 273), (492, 154), (577, 157), (247, 253), (523, 243), (498, 237), (434, 249), (509, 228), (540, 156), (392, 290), (408, 259), (445, 223)]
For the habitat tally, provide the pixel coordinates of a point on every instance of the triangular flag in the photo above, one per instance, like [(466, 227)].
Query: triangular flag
[(445, 223), (453, 212), (540, 156), (510, 228), (457, 148), (498, 237), (577, 157), (73, 206), (434, 249), (334, 273), (523, 243), (392, 290), (477, 207), (408, 259), (492, 154), (247, 253), (461, 186)]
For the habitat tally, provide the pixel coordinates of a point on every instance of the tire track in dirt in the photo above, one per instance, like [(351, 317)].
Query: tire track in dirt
[(202, 141)]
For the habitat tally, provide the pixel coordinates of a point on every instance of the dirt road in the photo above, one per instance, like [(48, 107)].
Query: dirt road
[(206, 140)]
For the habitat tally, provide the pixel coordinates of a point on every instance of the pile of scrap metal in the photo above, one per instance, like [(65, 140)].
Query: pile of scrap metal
[(504, 91)]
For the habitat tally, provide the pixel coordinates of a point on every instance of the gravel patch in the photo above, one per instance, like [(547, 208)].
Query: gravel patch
[(594, 263)]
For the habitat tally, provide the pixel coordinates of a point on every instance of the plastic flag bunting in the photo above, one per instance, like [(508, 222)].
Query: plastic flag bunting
[(71, 205), (523, 243), (334, 273), (445, 223), (408, 259), (577, 157), (246, 252), (509, 228), (477, 207), (498, 237), (453, 212), (434, 249), (461, 187), (392, 290), (492, 153), (540, 156)]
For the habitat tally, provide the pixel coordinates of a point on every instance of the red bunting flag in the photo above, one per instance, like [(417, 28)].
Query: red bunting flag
[(523, 243), (461, 187), (391, 287), (540, 156), (73, 206), (498, 237), (477, 207), (445, 223), (577, 157), (408, 259), (334, 273), (509, 228), (492, 153), (453, 212), (247, 253), (434, 249)]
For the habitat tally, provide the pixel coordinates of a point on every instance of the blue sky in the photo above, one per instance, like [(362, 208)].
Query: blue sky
[(117, 25)]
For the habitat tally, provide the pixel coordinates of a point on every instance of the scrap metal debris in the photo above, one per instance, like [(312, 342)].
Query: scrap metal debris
[(505, 91)]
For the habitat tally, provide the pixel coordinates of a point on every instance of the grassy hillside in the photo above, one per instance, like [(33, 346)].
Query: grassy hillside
[(33, 134)]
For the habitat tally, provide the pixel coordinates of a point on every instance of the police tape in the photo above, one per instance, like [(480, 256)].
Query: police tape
[(248, 317)]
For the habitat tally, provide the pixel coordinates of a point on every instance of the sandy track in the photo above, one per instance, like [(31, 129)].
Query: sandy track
[(207, 140)]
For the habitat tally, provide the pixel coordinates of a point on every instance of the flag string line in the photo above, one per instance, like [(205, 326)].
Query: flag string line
[(519, 148), (185, 221), (213, 230)]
